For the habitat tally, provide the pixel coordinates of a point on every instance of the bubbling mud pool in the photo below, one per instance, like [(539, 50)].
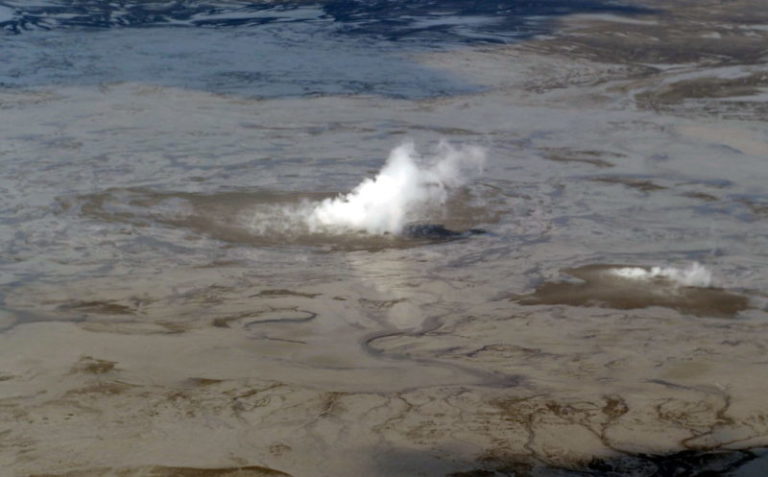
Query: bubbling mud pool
[(625, 287), (360, 238), (387, 202), (398, 207)]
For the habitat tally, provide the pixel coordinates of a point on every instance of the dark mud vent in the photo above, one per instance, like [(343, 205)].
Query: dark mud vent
[(437, 232)]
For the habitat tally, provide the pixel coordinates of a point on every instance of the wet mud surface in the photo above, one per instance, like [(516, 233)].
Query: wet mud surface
[(164, 314)]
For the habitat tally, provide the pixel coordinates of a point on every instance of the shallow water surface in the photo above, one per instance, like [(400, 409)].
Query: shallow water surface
[(383, 238)]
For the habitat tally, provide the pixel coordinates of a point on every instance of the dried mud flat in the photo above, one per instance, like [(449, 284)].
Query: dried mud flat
[(472, 358), (237, 380)]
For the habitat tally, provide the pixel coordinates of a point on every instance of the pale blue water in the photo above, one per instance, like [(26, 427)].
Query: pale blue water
[(263, 49)]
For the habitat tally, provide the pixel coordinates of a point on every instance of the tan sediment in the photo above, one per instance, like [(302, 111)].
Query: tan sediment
[(623, 388)]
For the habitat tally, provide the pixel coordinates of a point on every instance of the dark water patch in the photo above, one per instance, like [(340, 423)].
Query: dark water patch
[(465, 21), (599, 286), (468, 21), (295, 60), (55, 14), (265, 49), (437, 232)]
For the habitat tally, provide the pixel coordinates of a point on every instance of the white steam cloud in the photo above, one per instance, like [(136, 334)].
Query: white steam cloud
[(407, 185), (695, 275)]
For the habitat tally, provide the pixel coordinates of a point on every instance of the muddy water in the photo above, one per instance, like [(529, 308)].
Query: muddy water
[(163, 315)]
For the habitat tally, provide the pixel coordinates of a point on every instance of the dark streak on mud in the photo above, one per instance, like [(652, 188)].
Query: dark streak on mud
[(688, 463), (283, 292), (639, 184), (594, 158), (98, 307), (485, 378)]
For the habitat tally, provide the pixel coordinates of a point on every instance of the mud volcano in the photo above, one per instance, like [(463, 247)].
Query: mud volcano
[(601, 286)]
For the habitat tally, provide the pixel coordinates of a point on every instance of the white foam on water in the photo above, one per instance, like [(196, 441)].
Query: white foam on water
[(407, 185), (695, 275)]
